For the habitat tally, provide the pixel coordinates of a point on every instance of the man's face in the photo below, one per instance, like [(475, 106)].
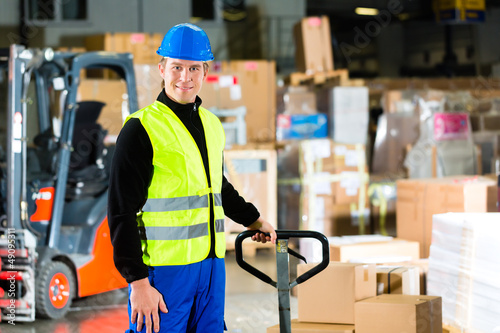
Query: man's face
[(183, 79)]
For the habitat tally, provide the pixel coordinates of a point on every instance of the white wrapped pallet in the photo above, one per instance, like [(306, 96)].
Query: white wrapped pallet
[(464, 269)]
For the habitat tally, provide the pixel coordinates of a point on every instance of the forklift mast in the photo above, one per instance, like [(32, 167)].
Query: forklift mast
[(30, 248)]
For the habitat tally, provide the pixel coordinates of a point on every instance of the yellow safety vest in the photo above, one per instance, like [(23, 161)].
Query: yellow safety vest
[(175, 220)]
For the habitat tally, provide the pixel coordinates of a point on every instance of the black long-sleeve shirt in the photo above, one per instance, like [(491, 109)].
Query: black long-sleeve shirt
[(131, 174)]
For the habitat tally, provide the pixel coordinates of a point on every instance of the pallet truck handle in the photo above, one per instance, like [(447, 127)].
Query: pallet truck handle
[(284, 234)]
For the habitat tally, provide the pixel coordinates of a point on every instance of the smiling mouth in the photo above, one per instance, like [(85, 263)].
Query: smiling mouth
[(184, 88)]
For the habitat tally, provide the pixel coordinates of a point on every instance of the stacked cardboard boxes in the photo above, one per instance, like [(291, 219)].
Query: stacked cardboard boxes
[(329, 297), (343, 298), (329, 181), (300, 118)]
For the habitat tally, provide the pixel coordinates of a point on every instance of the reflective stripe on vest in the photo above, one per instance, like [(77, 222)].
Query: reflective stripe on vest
[(182, 203), (178, 233), (174, 223)]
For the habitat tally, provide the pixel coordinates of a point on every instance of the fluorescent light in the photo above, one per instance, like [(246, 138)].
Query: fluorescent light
[(366, 11)]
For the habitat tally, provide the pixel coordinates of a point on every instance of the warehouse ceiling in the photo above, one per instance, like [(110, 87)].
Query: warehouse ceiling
[(343, 17)]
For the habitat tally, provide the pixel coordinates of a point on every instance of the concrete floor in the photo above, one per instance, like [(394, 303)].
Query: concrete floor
[(251, 305)]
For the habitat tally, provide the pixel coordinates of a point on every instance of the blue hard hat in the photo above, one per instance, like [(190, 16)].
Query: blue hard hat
[(186, 41)]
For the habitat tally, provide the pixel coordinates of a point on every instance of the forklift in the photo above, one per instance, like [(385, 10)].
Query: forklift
[(54, 170)]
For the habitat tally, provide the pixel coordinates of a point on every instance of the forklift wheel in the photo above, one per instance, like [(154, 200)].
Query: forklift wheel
[(55, 288)]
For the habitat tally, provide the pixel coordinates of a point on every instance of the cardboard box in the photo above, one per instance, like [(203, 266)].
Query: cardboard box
[(372, 249), (258, 90), (143, 46), (404, 280), (313, 47), (338, 171), (329, 297), (300, 327), (253, 173), (419, 199), (114, 94), (399, 313), (299, 100)]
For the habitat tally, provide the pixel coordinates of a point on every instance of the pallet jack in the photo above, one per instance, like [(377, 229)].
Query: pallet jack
[(282, 251)]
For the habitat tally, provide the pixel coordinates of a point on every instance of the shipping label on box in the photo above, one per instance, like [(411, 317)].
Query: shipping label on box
[(329, 297), (399, 313)]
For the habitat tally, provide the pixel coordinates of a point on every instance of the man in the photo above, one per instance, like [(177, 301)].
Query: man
[(168, 197)]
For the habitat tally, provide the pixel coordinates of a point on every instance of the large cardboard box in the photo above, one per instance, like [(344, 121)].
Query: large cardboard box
[(114, 94), (364, 249), (258, 90), (399, 313), (253, 173), (313, 47), (143, 46), (300, 327), (316, 174), (398, 280), (419, 199), (329, 297)]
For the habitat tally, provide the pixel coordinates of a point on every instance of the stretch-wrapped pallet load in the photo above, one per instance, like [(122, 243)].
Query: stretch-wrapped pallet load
[(464, 269), (323, 186), (445, 146)]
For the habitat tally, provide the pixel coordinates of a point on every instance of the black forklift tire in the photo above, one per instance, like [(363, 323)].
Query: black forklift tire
[(55, 289)]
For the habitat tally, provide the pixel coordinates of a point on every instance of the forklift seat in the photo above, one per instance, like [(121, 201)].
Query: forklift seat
[(87, 176), (88, 135)]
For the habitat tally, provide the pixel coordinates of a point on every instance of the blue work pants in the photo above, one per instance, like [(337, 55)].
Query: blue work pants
[(194, 295)]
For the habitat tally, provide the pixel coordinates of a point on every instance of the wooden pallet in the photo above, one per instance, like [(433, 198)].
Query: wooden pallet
[(318, 78), (249, 247)]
